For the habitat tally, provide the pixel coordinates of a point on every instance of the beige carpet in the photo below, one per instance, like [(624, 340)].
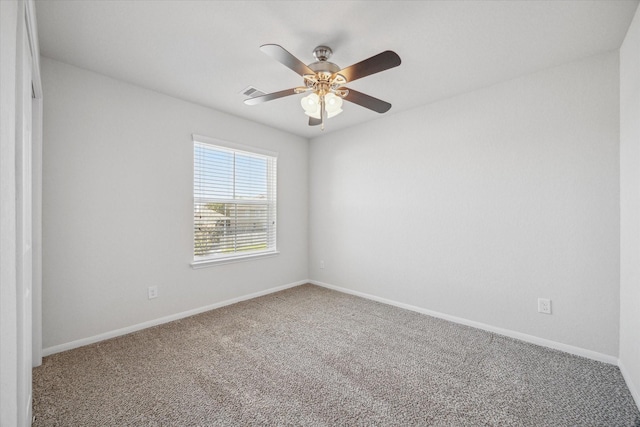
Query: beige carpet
[(314, 357)]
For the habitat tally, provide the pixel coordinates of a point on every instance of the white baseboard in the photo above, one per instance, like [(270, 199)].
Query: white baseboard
[(630, 385), (578, 351), (133, 328), (506, 332)]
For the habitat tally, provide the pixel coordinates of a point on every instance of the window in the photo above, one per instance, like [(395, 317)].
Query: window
[(234, 209)]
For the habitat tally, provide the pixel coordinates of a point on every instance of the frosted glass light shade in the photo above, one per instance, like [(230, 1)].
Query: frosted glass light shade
[(311, 105), (332, 104)]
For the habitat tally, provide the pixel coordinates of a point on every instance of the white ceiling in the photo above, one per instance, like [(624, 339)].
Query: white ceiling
[(207, 52)]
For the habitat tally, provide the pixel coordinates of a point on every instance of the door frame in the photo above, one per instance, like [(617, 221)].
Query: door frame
[(28, 197), (36, 183)]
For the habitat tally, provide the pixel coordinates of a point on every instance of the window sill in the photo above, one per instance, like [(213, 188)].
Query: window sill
[(204, 263)]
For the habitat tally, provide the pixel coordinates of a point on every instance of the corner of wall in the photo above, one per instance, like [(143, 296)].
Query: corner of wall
[(629, 345)]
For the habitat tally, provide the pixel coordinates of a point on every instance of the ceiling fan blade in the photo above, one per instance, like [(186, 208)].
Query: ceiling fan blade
[(281, 55), (375, 64), (314, 122), (270, 96), (367, 101)]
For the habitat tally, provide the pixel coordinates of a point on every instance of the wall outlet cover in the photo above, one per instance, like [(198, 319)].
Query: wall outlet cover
[(544, 305)]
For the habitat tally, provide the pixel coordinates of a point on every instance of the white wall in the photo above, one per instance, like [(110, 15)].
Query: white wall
[(477, 205), (630, 207), (8, 285), (117, 208)]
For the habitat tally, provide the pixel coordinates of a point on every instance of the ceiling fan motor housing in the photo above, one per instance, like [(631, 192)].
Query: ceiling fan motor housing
[(322, 54), (326, 78), (324, 66)]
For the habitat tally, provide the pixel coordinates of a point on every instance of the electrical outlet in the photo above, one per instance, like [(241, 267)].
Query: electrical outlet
[(544, 305), (321, 264), (153, 292)]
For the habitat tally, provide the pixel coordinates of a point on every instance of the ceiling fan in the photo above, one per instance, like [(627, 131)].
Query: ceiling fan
[(325, 80)]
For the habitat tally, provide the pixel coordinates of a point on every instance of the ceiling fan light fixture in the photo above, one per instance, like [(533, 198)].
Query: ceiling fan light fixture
[(311, 105), (332, 104)]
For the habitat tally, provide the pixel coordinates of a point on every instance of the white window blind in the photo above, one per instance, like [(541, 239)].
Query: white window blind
[(234, 207)]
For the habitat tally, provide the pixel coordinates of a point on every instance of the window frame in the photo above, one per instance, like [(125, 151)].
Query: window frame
[(218, 259)]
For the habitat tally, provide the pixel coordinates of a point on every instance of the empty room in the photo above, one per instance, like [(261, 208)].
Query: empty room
[(320, 213)]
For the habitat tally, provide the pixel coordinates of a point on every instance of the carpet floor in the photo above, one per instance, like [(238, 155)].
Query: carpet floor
[(314, 357)]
